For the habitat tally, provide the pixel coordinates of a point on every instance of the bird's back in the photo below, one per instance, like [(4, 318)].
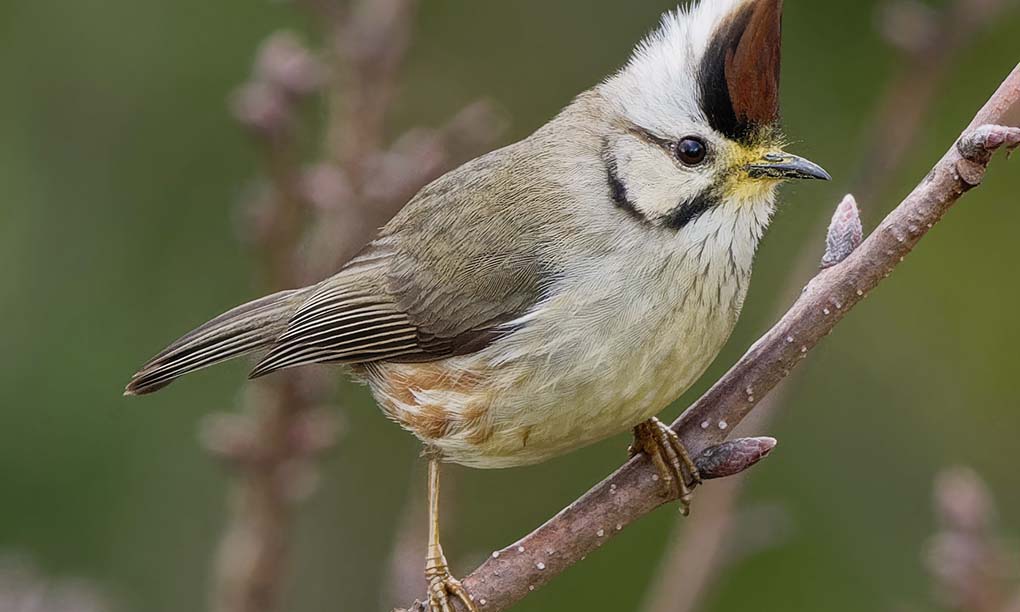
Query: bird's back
[(470, 252)]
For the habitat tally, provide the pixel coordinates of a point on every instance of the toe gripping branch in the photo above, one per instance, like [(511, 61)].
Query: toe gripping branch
[(679, 474), (676, 471), (444, 589)]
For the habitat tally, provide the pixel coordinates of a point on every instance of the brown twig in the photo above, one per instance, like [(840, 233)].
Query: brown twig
[(630, 492), (928, 41), (370, 45), (306, 223), (271, 443), (416, 158)]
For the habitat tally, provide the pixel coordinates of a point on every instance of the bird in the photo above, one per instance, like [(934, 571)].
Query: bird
[(561, 289)]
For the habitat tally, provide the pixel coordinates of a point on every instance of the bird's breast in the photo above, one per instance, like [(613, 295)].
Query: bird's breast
[(611, 346)]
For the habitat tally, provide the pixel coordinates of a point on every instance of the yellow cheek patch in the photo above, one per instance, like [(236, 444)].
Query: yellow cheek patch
[(738, 184), (743, 187)]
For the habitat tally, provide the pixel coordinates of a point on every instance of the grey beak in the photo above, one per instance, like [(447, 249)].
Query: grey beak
[(781, 165)]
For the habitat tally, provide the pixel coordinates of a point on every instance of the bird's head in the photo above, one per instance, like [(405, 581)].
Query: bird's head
[(695, 115)]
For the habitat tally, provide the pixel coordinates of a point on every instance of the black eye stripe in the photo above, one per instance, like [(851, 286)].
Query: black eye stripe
[(617, 189), (647, 136), (686, 212), (672, 147)]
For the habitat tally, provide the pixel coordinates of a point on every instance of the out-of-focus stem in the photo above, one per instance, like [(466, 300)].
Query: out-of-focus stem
[(310, 223)]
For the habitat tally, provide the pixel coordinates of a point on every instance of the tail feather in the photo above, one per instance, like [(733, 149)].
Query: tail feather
[(246, 328)]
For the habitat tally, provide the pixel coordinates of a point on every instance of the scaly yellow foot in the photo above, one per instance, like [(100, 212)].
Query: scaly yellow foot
[(443, 587)]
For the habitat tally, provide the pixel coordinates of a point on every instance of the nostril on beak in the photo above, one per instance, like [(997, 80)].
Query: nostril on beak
[(779, 166)]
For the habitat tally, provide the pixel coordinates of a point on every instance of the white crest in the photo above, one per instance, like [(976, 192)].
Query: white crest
[(657, 89)]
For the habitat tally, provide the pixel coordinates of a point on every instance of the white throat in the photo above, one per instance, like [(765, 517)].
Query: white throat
[(717, 252)]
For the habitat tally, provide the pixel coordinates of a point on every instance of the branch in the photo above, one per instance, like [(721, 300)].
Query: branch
[(307, 222), (703, 544), (272, 442), (929, 41), (630, 493), (415, 159)]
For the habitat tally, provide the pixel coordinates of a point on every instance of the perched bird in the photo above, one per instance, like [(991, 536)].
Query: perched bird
[(564, 288)]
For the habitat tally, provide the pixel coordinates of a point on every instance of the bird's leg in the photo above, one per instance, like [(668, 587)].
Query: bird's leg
[(655, 439), (441, 584)]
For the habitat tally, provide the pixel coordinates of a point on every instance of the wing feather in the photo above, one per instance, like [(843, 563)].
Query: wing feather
[(444, 277)]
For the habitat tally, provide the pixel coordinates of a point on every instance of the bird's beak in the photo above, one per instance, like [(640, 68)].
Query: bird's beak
[(780, 165)]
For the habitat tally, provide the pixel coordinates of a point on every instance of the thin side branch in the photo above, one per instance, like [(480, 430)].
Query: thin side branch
[(630, 493), (306, 221)]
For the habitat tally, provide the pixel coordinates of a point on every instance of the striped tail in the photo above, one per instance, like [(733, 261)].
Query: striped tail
[(244, 329)]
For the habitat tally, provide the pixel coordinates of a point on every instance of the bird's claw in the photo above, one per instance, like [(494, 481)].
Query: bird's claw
[(671, 459), (443, 587)]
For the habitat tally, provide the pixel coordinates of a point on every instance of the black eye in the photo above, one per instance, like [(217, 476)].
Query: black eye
[(691, 151)]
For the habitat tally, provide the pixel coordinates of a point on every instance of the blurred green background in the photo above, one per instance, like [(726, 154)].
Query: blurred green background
[(121, 169)]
